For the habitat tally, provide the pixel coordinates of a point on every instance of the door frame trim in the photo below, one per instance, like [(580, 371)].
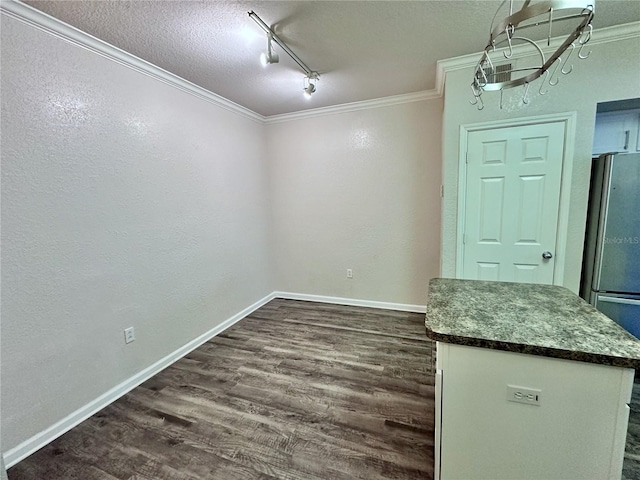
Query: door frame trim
[(569, 120)]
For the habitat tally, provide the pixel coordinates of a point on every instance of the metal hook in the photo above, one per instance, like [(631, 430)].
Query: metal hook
[(546, 76), (477, 101), (555, 70), (480, 69), (581, 56), (509, 31), (587, 37), (476, 95), (487, 64), (491, 67), (573, 46), (525, 100), (584, 42)]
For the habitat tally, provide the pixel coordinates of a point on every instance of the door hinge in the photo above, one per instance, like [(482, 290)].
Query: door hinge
[(464, 238), (466, 157), (441, 191)]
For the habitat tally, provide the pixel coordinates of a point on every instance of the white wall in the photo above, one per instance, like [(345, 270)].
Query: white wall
[(125, 202), (612, 72), (358, 190)]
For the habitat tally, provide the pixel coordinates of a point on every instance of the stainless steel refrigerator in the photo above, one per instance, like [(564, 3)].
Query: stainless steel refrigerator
[(611, 273)]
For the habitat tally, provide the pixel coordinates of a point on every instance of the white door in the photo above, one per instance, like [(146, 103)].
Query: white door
[(512, 196)]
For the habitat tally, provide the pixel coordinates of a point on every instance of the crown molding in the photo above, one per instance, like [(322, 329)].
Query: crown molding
[(40, 20), (600, 35), (53, 26), (46, 23), (355, 106)]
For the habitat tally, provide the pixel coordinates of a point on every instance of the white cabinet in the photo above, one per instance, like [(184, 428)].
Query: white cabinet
[(577, 431), (617, 132)]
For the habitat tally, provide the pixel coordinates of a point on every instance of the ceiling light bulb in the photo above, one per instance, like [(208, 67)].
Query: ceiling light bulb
[(309, 90), (310, 84)]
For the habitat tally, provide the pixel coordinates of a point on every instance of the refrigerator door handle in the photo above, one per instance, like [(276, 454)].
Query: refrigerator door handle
[(625, 301)]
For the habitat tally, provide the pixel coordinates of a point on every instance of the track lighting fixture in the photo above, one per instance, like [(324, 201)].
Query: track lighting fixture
[(311, 78), (270, 56)]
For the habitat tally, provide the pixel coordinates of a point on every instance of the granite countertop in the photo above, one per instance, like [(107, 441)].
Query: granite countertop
[(545, 320)]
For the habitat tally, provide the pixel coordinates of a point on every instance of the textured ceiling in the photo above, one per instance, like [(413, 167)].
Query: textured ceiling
[(362, 49)]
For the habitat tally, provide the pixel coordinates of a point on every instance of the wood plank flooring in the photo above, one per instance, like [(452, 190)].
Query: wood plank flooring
[(297, 390)]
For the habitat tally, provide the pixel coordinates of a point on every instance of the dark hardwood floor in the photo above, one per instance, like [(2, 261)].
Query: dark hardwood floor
[(297, 390)]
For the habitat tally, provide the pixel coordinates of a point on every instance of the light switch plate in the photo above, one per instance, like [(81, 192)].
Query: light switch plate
[(129, 335)]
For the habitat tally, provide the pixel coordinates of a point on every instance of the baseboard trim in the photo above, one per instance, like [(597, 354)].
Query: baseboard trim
[(354, 302), (26, 448), (35, 443)]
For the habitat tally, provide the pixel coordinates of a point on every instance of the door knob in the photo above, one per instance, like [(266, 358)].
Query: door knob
[(547, 255)]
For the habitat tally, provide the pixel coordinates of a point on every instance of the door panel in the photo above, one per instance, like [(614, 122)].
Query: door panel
[(531, 204), (512, 199), (488, 271), (491, 196), (525, 273)]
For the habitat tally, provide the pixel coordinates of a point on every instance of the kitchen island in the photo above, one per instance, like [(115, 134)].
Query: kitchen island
[(531, 382)]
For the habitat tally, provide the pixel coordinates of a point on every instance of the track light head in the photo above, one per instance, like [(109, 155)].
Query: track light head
[(310, 84), (269, 56), (309, 89)]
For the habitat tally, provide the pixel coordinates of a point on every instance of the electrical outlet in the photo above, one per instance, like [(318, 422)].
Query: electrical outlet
[(129, 335), (528, 396), (349, 273)]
